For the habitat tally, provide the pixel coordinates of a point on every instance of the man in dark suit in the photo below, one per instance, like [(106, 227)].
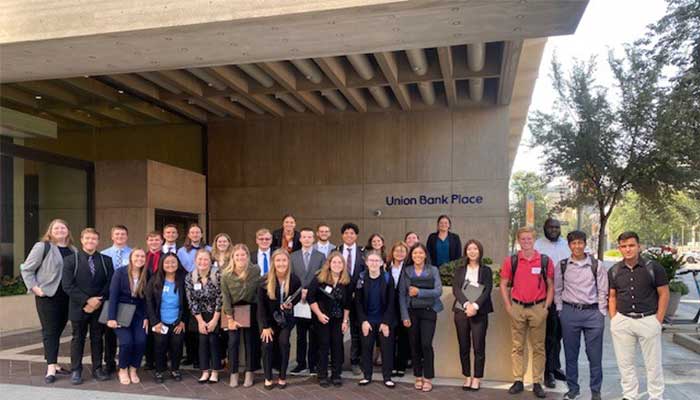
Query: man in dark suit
[(305, 264), (355, 259), (86, 278)]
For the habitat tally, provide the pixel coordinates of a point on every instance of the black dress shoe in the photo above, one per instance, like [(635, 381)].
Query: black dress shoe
[(110, 368), (559, 375), (50, 378), (549, 381), (337, 382), (538, 391), (298, 369), (313, 371), (516, 387), (100, 375), (282, 385), (324, 382), (159, 377), (76, 378), (177, 376)]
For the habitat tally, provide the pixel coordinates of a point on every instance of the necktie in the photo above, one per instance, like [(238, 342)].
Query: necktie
[(306, 260), (350, 266), (91, 264), (266, 266), (118, 258)]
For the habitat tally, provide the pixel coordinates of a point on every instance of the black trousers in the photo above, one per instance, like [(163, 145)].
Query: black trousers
[(355, 339), (402, 347), (150, 353), (110, 347), (386, 345), (53, 315), (209, 356), (279, 345), (307, 344), (472, 331), (234, 345), (330, 339), (192, 338), (421, 338), (167, 346), (552, 341), (77, 344)]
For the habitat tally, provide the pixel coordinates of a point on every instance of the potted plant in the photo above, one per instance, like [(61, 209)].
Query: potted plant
[(671, 262)]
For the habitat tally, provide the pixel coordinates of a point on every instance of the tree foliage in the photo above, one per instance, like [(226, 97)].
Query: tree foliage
[(521, 185)]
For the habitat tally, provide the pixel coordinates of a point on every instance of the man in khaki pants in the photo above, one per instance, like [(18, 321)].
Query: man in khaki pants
[(532, 278), (637, 304)]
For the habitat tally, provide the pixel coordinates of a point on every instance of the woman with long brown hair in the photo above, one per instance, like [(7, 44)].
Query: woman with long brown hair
[(276, 298), (127, 287), (330, 298), (222, 250), (239, 284), (42, 272)]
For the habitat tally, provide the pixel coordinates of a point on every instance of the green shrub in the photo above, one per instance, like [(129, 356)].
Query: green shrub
[(12, 286), (447, 271), (612, 253), (678, 287)]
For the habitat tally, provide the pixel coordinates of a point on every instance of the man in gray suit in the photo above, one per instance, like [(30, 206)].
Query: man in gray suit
[(306, 262)]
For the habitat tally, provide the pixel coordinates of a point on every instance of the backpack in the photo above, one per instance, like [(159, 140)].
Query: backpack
[(594, 269), (645, 263), (544, 263)]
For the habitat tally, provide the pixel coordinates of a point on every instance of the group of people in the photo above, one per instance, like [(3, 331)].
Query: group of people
[(162, 299)]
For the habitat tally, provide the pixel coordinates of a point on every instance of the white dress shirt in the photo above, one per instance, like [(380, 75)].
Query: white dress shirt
[(557, 251)]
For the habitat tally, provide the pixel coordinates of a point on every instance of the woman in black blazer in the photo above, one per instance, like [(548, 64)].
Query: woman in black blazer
[(277, 295), (374, 304), (471, 317), (166, 307), (443, 245), (287, 237), (330, 298), (396, 261)]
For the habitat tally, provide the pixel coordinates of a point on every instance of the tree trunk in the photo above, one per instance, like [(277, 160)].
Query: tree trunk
[(602, 240)]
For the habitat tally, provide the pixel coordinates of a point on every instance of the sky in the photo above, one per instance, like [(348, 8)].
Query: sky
[(606, 25)]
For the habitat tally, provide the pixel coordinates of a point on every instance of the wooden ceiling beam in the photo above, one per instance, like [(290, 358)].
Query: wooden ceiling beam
[(447, 68), (50, 90), (238, 83), (18, 96), (283, 75), (334, 70), (183, 81), (63, 123), (387, 63), (227, 106)]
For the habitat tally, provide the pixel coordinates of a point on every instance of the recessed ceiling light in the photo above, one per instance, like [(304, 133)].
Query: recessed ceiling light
[(120, 91), (37, 97), (210, 84)]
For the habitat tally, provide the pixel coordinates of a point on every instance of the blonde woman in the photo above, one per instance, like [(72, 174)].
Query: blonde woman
[(203, 290), (222, 250), (239, 284), (277, 296), (330, 298), (42, 272), (127, 287)]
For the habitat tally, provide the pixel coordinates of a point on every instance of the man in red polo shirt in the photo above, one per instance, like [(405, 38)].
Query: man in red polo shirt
[(531, 295)]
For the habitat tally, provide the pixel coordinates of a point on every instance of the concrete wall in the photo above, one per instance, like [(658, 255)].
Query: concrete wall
[(340, 168), (175, 144), (128, 192)]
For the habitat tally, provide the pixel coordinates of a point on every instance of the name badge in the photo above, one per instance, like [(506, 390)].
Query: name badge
[(164, 329), (166, 289), (197, 286), (328, 289), (536, 270)]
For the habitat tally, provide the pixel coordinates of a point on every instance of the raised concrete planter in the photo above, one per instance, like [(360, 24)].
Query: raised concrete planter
[(690, 341), (18, 312)]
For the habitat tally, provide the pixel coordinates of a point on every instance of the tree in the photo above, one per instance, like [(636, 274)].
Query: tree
[(654, 228), (605, 148), (523, 184)]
